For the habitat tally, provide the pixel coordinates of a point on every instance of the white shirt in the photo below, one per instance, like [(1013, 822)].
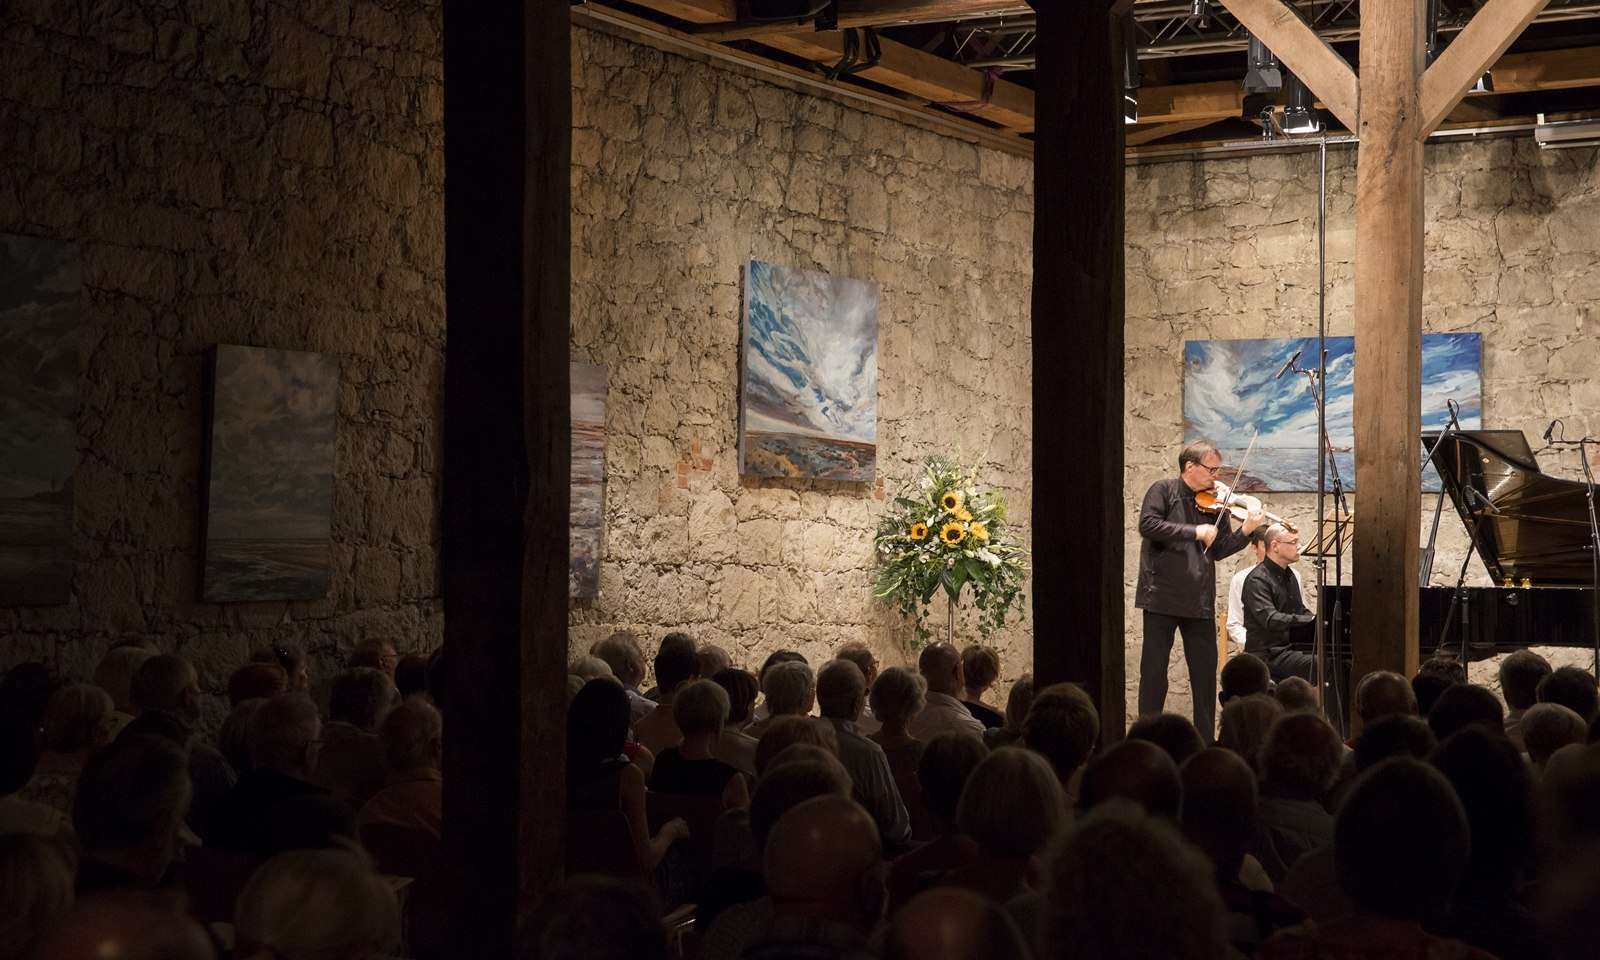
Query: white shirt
[(1236, 604), (944, 714)]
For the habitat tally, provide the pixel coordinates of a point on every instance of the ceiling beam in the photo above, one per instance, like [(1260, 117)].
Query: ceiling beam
[(1143, 134), (1326, 73), (1486, 37), (695, 11), (924, 75), (867, 13)]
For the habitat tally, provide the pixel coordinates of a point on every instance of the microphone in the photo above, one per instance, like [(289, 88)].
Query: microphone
[(1483, 503), (1290, 365), (1452, 406), (1549, 430)]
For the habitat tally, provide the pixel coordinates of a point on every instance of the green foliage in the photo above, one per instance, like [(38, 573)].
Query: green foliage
[(944, 534)]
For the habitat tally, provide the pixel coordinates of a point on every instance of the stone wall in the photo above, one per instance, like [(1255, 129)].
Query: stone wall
[(1227, 248), (238, 172), (682, 174)]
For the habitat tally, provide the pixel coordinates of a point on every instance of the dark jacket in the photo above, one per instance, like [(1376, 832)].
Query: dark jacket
[(1272, 604), (1177, 574)]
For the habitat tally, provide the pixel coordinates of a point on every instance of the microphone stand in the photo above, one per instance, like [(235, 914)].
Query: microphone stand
[(1458, 597), (1425, 573), (1328, 648)]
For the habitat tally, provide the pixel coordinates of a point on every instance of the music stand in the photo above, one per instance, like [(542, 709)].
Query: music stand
[(1336, 534)]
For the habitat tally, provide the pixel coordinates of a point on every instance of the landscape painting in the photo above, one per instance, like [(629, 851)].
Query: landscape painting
[(1231, 390), (588, 478), (269, 475), (40, 297), (809, 395)]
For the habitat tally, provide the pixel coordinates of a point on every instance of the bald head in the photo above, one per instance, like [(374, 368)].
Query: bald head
[(953, 923), (1220, 804), (1382, 694), (940, 665), (821, 860), (1135, 770), (126, 926)]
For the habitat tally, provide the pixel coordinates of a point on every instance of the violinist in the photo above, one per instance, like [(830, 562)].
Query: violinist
[(1179, 548)]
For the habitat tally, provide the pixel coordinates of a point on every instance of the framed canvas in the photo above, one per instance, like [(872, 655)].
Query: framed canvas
[(809, 392), (40, 298), (588, 478), (269, 475), (1232, 389)]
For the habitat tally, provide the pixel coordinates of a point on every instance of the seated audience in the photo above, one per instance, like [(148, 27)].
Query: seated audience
[(131, 800), (77, 722), (1382, 693), (233, 738), (589, 667), (713, 660), (1397, 735), (114, 675), (292, 658), (1520, 673), (789, 689), (946, 766), (735, 747), (1012, 806), (784, 732), (1464, 704), (980, 668), (1134, 770), (674, 667), (1296, 695), (1545, 728), (1018, 701), (285, 735), (317, 905), (898, 695), (127, 925), (595, 918), (256, 681), (35, 890), (350, 763), (1400, 842), (940, 666), (773, 659), (1244, 725), (1299, 762), (1062, 726), (412, 739), (375, 653), (1573, 688), (1435, 676), (1244, 675), (1126, 886), (411, 676), (950, 923), (1171, 732), (858, 653), (679, 642), (170, 685), (599, 777), (842, 696), (699, 709)]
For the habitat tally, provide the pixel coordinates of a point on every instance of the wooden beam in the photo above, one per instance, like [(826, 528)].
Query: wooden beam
[(924, 75), (1322, 70), (1078, 269), (1142, 134), (1474, 110), (1486, 37), (1388, 335), (1178, 103), (695, 11), (867, 13)]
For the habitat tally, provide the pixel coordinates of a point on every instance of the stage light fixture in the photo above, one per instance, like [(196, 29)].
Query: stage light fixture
[(1263, 75), (1300, 111)]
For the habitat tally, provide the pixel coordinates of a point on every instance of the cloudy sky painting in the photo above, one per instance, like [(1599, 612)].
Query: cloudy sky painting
[(270, 479), (809, 398), (40, 297), (1230, 391)]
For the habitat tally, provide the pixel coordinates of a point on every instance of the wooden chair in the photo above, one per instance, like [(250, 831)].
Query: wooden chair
[(213, 879), (701, 813), (409, 852), (598, 841)]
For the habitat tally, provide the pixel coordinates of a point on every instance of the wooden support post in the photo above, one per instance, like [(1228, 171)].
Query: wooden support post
[(1078, 322), (1388, 392), (508, 128)]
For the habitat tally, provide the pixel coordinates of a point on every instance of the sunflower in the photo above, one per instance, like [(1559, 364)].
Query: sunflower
[(979, 531), (952, 533), (962, 514), (919, 531), (951, 501)]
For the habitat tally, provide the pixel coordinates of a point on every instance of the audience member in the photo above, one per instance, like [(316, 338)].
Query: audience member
[(77, 722), (735, 747), (1299, 762), (1134, 770), (412, 794), (411, 676), (1520, 673), (1463, 704), (699, 709), (1244, 675), (678, 642), (1125, 886), (1171, 732), (1018, 701), (317, 905), (842, 696), (1436, 675), (1545, 728), (595, 918), (35, 890), (786, 731), (943, 772), (127, 925), (713, 660), (131, 800), (436, 678), (166, 684), (1296, 695), (256, 681), (114, 675), (1062, 726), (1382, 693), (376, 653), (858, 653), (789, 689), (898, 695), (622, 653), (820, 867), (1012, 806), (1396, 735), (980, 668), (674, 667), (600, 778), (1244, 725), (951, 923), (233, 738), (940, 666), (250, 819), (350, 762), (1573, 688), (799, 772), (292, 658)]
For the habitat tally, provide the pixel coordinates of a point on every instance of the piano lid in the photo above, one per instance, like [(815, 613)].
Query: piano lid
[(1538, 526)]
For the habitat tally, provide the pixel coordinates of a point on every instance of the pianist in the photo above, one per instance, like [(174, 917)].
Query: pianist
[(1272, 605)]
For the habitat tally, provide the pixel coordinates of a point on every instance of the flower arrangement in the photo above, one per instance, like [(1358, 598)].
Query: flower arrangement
[(943, 532)]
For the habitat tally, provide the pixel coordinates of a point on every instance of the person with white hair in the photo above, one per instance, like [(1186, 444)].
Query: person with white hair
[(790, 689), (623, 654), (77, 722), (842, 694), (316, 905), (114, 675), (412, 795), (699, 708), (285, 740)]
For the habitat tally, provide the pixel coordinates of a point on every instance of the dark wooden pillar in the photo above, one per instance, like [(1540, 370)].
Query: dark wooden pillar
[(508, 127), (1078, 337)]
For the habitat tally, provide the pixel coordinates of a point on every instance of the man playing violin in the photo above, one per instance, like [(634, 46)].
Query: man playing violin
[(1177, 588)]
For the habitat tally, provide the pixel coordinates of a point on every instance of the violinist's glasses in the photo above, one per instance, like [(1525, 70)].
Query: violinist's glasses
[(1211, 471)]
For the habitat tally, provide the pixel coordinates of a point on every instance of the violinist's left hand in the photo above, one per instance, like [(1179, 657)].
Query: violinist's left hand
[(1254, 519)]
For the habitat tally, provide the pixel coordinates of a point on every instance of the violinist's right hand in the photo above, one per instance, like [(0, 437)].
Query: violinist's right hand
[(1206, 533)]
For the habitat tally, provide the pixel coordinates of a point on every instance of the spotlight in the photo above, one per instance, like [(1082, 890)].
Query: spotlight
[(1199, 9), (1300, 112), (1130, 108), (1485, 83), (1263, 75)]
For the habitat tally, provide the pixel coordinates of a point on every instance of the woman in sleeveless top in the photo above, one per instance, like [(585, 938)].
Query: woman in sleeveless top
[(699, 709), (599, 777)]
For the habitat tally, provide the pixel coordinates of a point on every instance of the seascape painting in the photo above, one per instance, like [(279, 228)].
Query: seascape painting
[(269, 475), (809, 394), (40, 297), (1231, 390), (588, 478)]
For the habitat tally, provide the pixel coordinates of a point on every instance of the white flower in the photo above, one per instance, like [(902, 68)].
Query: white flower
[(988, 558)]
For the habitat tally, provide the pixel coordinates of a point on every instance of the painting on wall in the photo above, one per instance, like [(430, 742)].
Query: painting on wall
[(269, 475), (1232, 389), (809, 392), (40, 296), (588, 478)]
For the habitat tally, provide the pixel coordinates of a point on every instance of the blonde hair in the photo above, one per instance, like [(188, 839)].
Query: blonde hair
[(317, 905)]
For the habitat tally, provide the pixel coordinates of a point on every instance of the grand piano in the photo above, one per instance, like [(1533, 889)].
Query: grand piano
[(1533, 538)]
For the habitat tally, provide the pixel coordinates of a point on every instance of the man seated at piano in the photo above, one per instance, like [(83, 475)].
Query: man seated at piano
[(1275, 611)]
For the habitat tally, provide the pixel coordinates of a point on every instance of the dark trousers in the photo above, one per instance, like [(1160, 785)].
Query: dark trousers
[(1199, 650)]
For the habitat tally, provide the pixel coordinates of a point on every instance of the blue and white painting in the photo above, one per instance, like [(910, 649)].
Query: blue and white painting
[(40, 299), (269, 477), (587, 505), (1231, 390), (809, 397)]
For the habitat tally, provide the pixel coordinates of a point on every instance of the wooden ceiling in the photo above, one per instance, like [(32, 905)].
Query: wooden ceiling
[(969, 62)]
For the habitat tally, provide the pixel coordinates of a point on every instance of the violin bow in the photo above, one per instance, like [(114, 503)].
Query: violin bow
[(1234, 487)]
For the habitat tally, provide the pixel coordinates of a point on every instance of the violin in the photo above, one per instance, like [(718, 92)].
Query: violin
[(1221, 498)]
